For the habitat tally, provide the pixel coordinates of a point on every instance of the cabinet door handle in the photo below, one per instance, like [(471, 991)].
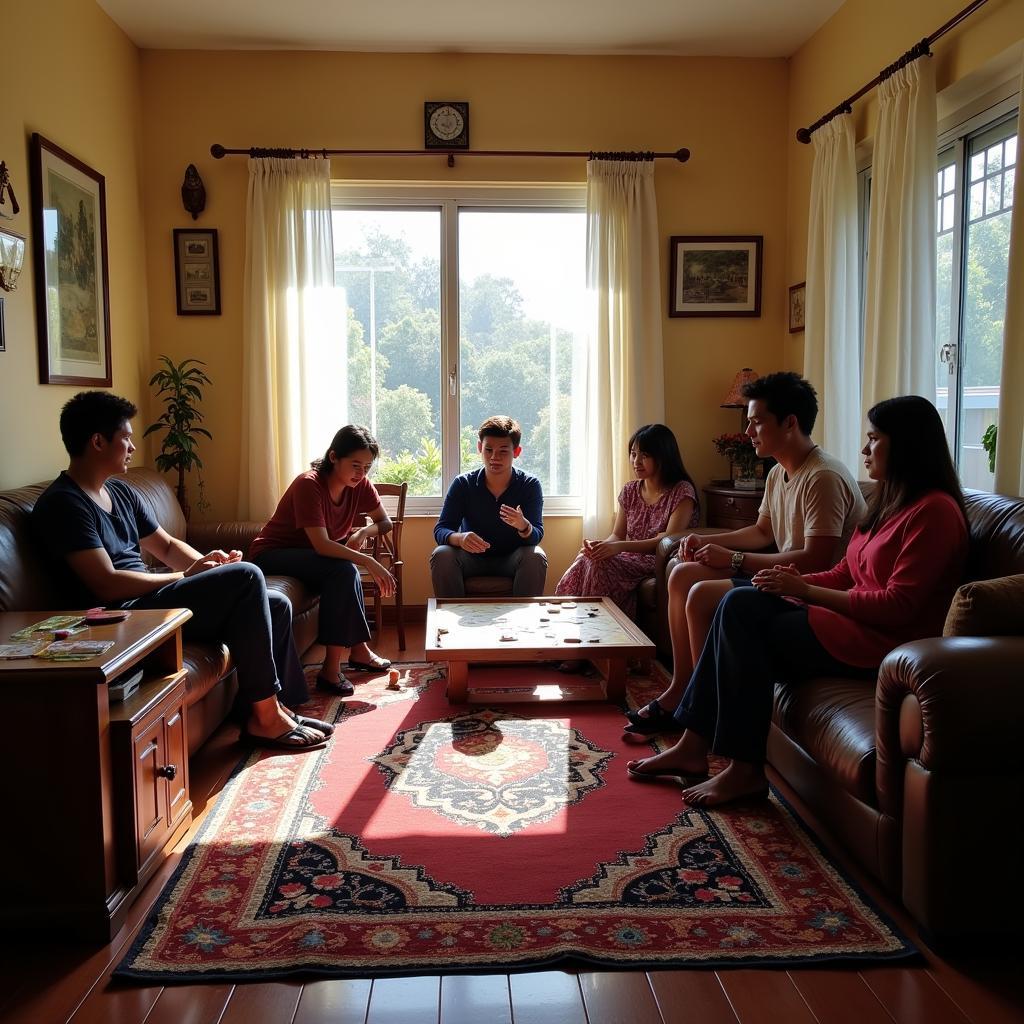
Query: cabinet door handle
[(731, 502), (167, 771)]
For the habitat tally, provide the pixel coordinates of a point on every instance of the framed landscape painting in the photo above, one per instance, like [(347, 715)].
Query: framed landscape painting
[(196, 272), (715, 275), (797, 301), (69, 211)]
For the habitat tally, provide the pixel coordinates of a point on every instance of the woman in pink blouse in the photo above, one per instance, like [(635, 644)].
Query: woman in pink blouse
[(894, 585), (661, 500), (312, 535)]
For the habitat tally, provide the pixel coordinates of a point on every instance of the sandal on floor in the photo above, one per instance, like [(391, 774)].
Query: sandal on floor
[(659, 721), (310, 723), (299, 738), (683, 779), (340, 688), (381, 665), (655, 713)]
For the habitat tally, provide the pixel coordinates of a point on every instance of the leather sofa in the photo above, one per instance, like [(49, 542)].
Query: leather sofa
[(26, 586), (920, 776)]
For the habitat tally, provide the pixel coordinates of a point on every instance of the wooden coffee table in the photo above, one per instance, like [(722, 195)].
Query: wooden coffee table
[(532, 629)]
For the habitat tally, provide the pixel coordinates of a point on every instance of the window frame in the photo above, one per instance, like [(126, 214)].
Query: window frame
[(450, 200)]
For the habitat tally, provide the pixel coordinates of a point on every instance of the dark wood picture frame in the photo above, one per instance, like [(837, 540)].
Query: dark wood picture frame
[(797, 306), (197, 271), (69, 214), (728, 261)]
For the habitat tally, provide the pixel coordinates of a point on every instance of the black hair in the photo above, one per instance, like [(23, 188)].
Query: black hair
[(349, 439), (786, 394), (501, 426), (657, 441), (918, 460), (93, 412)]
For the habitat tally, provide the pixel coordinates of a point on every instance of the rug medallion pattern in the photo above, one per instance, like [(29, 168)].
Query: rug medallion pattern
[(431, 838)]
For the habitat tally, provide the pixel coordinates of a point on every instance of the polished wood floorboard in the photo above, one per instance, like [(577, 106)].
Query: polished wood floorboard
[(55, 984)]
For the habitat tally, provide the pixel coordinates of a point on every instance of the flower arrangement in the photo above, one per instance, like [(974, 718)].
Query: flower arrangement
[(738, 450)]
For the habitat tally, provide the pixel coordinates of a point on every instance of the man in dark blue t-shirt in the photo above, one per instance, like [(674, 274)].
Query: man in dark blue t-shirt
[(95, 528), (492, 520)]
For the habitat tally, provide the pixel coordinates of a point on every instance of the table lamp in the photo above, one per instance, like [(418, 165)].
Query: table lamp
[(734, 398)]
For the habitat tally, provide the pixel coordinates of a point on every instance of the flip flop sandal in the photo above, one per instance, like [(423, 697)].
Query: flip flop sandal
[(341, 688), (655, 713), (759, 794), (683, 779), (310, 723), (382, 665), (296, 739)]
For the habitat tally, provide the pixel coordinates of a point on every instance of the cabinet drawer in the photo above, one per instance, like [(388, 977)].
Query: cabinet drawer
[(733, 510)]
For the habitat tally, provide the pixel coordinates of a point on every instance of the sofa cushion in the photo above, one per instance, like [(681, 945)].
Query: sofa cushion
[(833, 720), (987, 608), (647, 593)]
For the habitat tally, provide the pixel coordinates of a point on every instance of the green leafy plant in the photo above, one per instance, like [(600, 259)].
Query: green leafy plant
[(180, 388), (988, 442)]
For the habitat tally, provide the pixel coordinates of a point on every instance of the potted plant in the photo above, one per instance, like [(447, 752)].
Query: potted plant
[(743, 460), (180, 388)]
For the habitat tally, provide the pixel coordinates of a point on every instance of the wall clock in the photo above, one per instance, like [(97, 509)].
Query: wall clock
[(445, 124)]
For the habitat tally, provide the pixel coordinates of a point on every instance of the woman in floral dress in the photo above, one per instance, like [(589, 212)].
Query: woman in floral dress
[(661, 500)]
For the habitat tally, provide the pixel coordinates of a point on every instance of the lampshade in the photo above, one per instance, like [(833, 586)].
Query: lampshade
[(734, 399), (12, 256)]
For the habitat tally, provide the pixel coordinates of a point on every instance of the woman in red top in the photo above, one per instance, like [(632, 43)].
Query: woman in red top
[(894, 585), (311, 536)]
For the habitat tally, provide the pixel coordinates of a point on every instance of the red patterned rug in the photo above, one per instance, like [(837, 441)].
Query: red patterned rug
[(432, 838)]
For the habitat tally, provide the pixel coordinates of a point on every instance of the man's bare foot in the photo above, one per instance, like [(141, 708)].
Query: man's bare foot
[(269, 720), (669, 762), (738, 781)]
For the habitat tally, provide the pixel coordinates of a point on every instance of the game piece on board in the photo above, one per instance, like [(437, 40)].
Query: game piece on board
[(554, 611), (543, 619), (573, 640), (569, 604), (442, 629), (507, 636)]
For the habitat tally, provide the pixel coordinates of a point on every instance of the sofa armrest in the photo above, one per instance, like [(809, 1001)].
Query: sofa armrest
[(210, 536), (950, 766)]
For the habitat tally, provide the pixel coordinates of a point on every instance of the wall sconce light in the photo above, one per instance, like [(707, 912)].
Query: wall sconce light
[(8, 188), (12, 258)]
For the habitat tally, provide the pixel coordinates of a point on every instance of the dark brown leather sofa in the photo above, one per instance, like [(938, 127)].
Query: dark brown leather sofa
[(26, 586), (921, 775)]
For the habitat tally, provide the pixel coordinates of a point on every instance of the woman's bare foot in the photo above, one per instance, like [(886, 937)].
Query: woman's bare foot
[(738, 781), (269, 720), (677, 760)]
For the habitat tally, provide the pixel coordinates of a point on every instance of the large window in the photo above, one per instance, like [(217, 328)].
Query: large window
[(460, 303), (974, 193)]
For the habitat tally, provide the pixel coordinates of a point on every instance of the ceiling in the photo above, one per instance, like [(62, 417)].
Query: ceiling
[(734, 28)]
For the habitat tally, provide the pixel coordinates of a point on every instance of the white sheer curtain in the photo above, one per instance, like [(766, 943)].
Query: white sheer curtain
[(899, 321), (625, 378), (832, 332), (1010, 437), (288, 326)]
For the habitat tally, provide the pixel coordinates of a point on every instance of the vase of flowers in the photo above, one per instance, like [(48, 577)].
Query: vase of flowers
[(743, 460)]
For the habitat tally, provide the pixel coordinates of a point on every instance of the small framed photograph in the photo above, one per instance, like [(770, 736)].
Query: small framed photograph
[(69, 213), (715, 275), (196, 272), (797, 296)]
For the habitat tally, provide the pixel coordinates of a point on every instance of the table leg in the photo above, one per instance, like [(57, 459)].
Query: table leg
[(614, 671), (458, 681)]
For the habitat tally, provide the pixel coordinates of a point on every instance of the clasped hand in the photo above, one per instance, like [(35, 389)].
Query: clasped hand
[(784, 580), (473, 543), (211, 560), (599, 550), (693, 549)]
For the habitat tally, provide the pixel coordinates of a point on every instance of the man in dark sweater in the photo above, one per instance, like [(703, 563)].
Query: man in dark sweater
[(492, 520), (94, 527)]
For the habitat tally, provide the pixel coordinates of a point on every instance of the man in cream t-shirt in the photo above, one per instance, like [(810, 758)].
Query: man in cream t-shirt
[(811, 506)]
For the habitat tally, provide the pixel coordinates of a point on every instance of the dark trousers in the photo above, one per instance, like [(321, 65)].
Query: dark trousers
[(755, 638), (450, 567), (342, 613), (232, 605)]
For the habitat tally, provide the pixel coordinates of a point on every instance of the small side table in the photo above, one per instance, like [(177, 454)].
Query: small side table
[(731, 509)]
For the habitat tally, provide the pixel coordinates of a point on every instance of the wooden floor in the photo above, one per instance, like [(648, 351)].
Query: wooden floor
[(55, 984)]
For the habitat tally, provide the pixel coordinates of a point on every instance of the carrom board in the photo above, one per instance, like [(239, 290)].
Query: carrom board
[(535, 629)]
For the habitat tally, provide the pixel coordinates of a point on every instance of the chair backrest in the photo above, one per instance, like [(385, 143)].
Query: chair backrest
[(392, 499)]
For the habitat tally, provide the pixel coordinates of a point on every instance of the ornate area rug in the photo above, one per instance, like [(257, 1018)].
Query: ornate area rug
[(432, 838)]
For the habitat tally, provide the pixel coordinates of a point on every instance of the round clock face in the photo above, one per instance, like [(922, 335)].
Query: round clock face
[(446, 123)]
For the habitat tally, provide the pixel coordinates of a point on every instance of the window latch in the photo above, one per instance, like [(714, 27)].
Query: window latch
[(947, 355), (452, 383)]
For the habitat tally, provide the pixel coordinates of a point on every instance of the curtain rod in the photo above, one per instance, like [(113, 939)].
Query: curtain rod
[(219, 152), (921, 49)]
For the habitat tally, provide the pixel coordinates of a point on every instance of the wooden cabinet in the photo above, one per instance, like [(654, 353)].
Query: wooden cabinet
[(731, 509), (96, 791)]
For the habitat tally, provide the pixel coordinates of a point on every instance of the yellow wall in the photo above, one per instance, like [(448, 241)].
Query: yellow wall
[(863, 37), (70, 74), (730, 113)]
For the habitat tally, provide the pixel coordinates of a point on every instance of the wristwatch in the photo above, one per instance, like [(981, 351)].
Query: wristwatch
[(527, 531), (736, 562)]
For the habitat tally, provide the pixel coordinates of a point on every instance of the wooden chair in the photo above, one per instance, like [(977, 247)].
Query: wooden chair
[(387, 550)]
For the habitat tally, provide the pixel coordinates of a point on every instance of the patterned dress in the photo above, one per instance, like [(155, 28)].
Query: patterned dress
[(619, 576)]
